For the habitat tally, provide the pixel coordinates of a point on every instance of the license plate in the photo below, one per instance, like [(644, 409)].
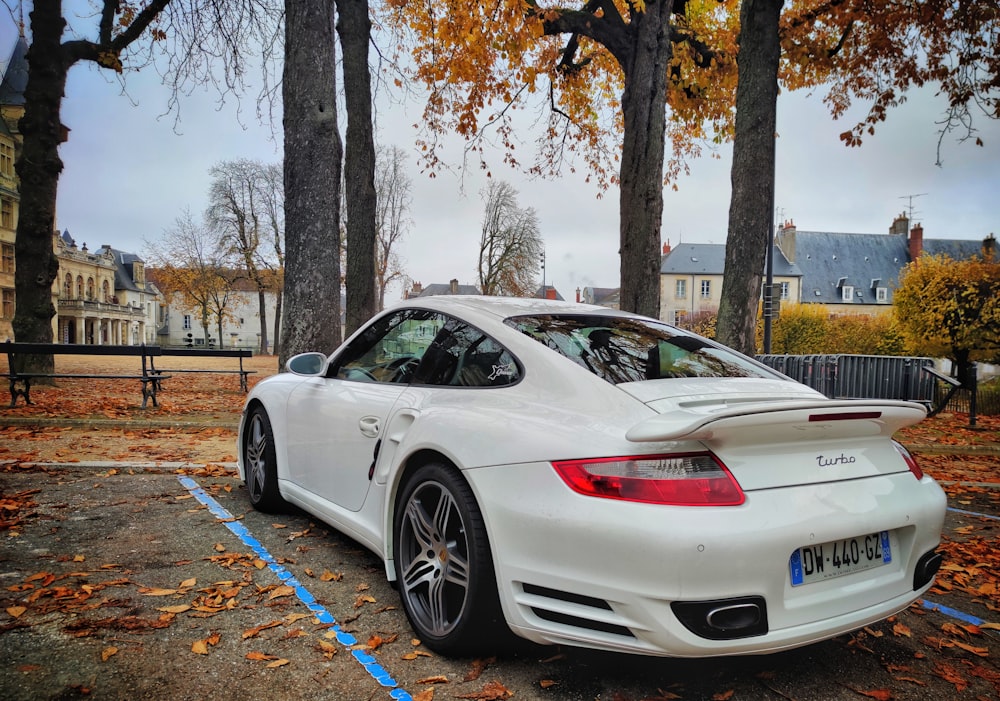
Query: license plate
[(816, 563)]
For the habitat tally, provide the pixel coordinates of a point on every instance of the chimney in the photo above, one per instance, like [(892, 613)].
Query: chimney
[(550, 292), (916, 242), (416, 290), (666, 247), (989, 249), (786, 240), (577, 295), (900, 225), (454, 286)]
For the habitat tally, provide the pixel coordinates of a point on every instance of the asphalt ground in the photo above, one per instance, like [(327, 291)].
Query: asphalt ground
[(145, 575), (159, 582)]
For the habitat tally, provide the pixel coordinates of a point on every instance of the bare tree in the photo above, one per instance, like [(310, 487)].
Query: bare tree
[(510, 246), (274, 213), (313, 151), (393, 199), (238, 198), (202, 41), (193, 271)]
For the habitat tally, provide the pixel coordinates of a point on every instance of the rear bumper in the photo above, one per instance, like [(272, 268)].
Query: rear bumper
[(600, 573)]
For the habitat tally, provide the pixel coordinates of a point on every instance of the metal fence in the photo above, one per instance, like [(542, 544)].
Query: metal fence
[(860, 376)]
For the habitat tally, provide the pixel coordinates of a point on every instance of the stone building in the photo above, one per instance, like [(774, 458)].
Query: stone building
[(691, 276), (102, 297), (15, 78)]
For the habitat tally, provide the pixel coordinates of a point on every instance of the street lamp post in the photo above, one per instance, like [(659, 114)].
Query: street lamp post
[(542, 259)]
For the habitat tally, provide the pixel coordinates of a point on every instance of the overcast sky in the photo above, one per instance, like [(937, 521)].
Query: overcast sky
[(130, 172)]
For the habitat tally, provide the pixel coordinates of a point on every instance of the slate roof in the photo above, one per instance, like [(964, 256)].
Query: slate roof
[(863, 261), (954, 249), (710, 259), (829, 260), (441, 288), (123, 270), (603, 296), (540, 292), (15, 76)]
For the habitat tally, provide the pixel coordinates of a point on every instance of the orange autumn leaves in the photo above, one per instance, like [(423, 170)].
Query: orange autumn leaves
[(73, 444)]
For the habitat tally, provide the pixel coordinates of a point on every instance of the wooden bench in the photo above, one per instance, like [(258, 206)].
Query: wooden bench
[(207, 353), (20, 380)]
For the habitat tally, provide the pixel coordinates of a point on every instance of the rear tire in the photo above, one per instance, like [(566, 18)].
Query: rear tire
[(260, 463), (444, 568)]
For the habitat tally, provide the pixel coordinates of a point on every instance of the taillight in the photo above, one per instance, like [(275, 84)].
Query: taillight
[(911, 462), (683, 479)]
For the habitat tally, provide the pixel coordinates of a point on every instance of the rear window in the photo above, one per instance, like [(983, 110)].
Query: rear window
[(622, 349)]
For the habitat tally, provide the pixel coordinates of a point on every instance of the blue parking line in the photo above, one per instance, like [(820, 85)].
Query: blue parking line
[(954, 613), (371, 665), (973, 513)]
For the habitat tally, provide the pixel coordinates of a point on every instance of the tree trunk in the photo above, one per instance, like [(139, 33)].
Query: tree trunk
[(313, 154), (641, 197), (277, 324), (38, 169), (750, 209), (354, 29), (262, 303)]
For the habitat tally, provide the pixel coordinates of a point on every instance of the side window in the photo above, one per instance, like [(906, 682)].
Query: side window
[(463, 356), (391, 348)]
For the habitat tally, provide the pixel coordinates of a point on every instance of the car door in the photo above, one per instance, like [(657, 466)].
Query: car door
[(335, 423)]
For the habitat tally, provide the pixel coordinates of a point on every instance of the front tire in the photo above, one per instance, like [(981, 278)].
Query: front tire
[(444, 568), (260, 463)]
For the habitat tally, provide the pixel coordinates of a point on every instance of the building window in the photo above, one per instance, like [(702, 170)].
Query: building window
[(847, 293), (784, 290), (90, 288), (187, 322), (8, 258), (105, 292), (7, 213), (679, 316), (706, 289), (68, 287), (681, 290), (882, 295), (8, 304), (79, 287), (7, 160)]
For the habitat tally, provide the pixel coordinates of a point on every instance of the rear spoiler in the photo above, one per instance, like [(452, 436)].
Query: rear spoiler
[(805, 419)]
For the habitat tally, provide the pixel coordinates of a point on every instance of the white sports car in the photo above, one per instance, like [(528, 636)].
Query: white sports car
[(583, 476)]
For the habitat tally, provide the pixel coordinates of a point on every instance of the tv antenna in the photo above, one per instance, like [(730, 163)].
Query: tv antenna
[(909, 206)]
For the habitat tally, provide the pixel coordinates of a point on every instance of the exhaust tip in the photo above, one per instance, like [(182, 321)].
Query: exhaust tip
[(723, 619), (927, 566)]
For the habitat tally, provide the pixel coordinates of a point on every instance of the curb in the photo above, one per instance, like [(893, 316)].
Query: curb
[(119, 465), (116, 423)]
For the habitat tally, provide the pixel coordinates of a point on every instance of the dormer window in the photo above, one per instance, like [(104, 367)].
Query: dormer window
[(847, 293), (881, 295)]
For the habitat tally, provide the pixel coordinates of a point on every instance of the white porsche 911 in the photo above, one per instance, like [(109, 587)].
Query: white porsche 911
[(583, 476)]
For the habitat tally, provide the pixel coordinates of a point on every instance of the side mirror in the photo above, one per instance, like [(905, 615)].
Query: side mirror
[(308, 364)]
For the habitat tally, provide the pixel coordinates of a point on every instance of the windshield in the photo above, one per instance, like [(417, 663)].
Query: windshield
[(623, 349)]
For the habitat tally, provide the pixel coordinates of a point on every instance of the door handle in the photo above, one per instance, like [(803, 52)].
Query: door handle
[(369, 426)]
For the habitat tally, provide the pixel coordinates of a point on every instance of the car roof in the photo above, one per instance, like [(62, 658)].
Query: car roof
[(504, 307)]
